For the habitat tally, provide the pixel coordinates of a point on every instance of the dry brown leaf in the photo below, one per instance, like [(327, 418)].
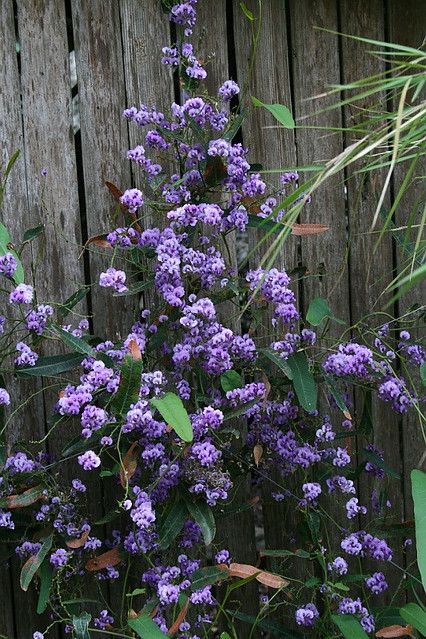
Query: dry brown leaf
[(347, 415), (257, 453), (135, 350), (114, 190), (78, 542), (267, 384), (129, 465), (264, 577), (99, 240), (395, 631), (179, 619), (308, 229), (109, 558)]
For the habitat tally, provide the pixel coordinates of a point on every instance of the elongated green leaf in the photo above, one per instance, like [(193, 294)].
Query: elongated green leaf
[(206, 576), (412, 613), (28, 497), (46, 576), (173, 411), (173, 524), (374, 457), (349, 627), (202, 514), (31, 234), (337, 395), (76, 343), (6, 246), (51, 365), (73, 300), (81, 625), (278, 360), (239, 410), (10, 164), (32, 564), (423, 373), (303, 380), (146, 628), (136, 288), (279, 111), (248, 14), (276, 628), (230, 380), (225, 635), (318, 310), (418, 487), (130, 382)]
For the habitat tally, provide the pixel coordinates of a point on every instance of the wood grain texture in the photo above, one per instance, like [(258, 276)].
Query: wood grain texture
[(104, 140), (370, 270), (407, 26), (273, 147)]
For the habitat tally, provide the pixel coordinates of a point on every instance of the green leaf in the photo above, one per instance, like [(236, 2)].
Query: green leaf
[(10, 164), (206, 576), (338, 398), (138, 287), (274, 627), (317, 311), (76, 343), (239, 410), (303, 380), (73, 300), (130, 382), (349, 627), (136, 591), (173, 411), (28, 497), (51, 365), (423, 373), (248, 14), (418, 488), (31, 234), (202, 514), (6, 246), (374, 457), (81, 625), (279, 111), (230, 380), (366, 423), (412, 613), (225, 635), (278, 360), (173, 524), (146, 628), (341, 586), (32, 564), (46, 577)]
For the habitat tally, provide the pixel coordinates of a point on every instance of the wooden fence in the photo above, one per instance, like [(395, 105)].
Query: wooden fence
[(72, 124)]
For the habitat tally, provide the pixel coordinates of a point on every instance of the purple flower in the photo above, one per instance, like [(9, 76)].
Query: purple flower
[(103, 620), (59, 558), (353, 509), (4, 397), (22, 294), (6, 520), (311, 491), (306, 615), (89, 460), (8, 265), (339, 566), (114, 279), (133, 199), (376, 583), (27, 357), (38, 635), (228, 90)]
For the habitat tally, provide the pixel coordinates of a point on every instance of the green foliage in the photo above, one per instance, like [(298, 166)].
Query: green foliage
[(173, 411), (418, 487)]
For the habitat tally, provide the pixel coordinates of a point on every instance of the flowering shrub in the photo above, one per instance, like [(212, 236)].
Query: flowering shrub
[(160, 412)]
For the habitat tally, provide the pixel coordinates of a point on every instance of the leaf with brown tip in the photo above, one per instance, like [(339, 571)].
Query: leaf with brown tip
[(26, 498), (99, 240), (129, 465), (109, 558)]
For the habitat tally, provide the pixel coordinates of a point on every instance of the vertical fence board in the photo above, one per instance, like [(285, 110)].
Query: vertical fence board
[(15, 198), (104, 140), (235, 532), (370, 271), (407, 27), (273, 147)]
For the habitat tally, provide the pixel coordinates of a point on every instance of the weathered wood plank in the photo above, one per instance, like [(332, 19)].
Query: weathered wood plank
[(407, 26), (104, 141), (273, 148), (370, 270)]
